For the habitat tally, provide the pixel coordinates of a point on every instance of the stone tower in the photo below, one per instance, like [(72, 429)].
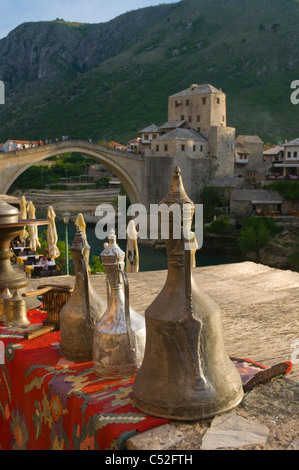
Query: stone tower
[(203, 108)]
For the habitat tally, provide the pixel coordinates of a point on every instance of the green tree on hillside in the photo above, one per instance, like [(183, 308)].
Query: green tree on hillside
[(254, 236)]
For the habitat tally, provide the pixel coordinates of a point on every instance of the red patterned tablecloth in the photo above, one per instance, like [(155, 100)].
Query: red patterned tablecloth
[(49, 403)]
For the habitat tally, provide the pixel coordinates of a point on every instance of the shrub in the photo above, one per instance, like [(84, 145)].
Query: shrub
[(96, 265), (254, 236), (218, 226), (288, 189), (294, 259)]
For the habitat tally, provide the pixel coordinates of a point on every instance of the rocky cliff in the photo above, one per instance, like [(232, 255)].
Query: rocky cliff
[(108, 80)]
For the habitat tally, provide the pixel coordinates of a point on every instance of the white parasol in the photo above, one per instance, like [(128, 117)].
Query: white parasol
[(23, 216), (132, 248), (80, 223), (52, 237), (33, 231)]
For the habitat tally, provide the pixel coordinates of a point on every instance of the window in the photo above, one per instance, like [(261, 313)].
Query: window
[(201, 148), (157, 148), (218, 100), (176, 104), (198, 129), (183, 148), (289, 154), (182, 117), (204, 101), (223, 118), (165, 147), (198, 118), (154, 136), (187, 102), (190, 118), (146, 137), (194, 148), (295, 154)]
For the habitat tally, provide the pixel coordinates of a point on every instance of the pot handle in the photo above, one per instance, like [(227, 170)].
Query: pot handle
[(130, 332), (90, 322), (188, 277)]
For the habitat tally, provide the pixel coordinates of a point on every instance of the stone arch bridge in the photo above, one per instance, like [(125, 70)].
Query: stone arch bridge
[(146, 179)]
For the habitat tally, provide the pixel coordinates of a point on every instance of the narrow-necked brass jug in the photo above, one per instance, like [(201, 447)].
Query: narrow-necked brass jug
[(186, 373), (83, 310), (119, 337)]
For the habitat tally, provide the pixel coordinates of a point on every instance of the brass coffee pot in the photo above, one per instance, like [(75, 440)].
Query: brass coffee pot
[(83, 310), (15, 310), (2, 295), (119, 337), (186, 373)]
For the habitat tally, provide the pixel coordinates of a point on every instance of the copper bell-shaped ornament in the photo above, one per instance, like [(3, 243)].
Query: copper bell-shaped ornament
[(119, 337), (83, 310), (186, 373)]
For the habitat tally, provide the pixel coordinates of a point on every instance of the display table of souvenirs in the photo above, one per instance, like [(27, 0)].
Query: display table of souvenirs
[(47, 402)]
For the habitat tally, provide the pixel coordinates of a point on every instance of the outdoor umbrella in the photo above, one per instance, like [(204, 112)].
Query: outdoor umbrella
[(52, 237), (80, 223), (33, 231), (23, 216), (132, 249)]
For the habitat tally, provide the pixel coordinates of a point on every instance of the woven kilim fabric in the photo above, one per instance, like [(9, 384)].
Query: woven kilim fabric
[(47, 402)]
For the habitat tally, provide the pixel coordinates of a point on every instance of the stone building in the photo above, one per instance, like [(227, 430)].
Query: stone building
[(274, 154), (290, 161), (248, 153), (196, 128), (248, 202)]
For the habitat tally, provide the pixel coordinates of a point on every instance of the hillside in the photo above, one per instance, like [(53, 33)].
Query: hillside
[(108, 80)]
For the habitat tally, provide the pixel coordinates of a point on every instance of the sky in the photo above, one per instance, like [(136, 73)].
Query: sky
[(15, 12)]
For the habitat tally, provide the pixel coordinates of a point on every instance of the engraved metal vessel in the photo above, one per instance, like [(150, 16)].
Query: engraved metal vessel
[(83, 310), (119, 337), (186, 373)]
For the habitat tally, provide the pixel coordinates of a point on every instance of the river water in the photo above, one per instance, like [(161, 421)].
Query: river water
[(150, 258)]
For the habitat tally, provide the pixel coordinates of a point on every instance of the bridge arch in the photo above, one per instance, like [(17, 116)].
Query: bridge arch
[(126, 166)]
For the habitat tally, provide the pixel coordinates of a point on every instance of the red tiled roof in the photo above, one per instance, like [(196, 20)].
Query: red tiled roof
[(20, 141)]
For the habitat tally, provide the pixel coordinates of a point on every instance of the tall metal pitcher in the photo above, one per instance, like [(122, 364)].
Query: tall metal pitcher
[(186, 373), (119, 337), (84, 308)]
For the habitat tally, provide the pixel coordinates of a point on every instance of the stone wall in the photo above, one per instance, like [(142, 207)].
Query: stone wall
[(221, 147), (196, 173)]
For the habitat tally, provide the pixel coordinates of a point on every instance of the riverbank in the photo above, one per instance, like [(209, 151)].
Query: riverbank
[(73, 201)]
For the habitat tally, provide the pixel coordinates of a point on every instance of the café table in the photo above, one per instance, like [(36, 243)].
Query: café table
[(21, 259)]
